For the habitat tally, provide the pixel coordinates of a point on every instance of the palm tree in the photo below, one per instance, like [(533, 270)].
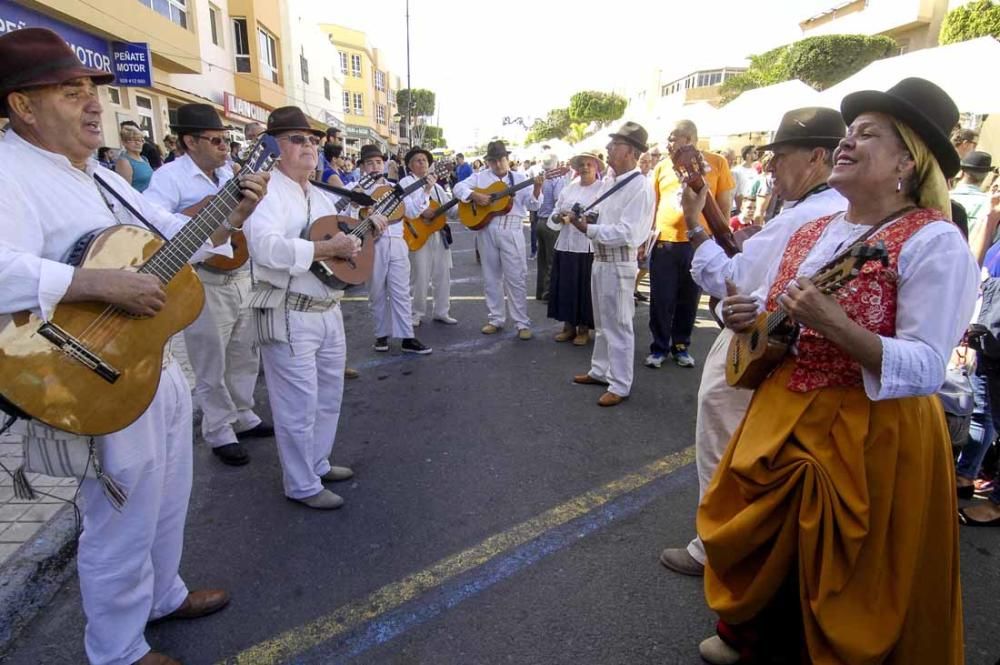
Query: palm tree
[(577, 132)]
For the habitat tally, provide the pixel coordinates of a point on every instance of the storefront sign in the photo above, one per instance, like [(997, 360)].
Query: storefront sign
[(243, 110), (332, 121), (92, 51), (132, 64)]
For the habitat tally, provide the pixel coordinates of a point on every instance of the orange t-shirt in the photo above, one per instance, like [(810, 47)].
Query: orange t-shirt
[(669, 216)]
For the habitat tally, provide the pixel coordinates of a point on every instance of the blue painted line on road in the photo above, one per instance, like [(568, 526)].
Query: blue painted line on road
[(396, 623)]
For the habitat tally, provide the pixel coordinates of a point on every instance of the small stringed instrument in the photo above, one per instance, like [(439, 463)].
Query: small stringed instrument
[(754, 354), (396, 214), (338, 272), (238, 242), (417, 230), (501, 195), (93, 368)]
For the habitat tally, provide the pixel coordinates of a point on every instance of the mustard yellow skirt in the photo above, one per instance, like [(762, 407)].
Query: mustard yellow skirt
[(859, 498)]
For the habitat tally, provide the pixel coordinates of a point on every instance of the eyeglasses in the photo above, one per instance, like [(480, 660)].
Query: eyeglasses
[(300, 139), (214, 140)]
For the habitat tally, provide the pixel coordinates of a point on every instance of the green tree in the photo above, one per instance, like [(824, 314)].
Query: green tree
[(434, 137), (593, 106), (577, 132), (976, 19), (554, 126), (423, 102), (818, 61)]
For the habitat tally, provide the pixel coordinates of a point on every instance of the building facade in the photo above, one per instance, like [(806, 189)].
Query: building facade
[(914, 24), (313, 78)]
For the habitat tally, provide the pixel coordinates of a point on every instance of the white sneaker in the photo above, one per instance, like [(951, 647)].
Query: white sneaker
[(417, 322), (654, 360), (717, 652), (446, 319)]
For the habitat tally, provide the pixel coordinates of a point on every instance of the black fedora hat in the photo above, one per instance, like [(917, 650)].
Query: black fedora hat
[(371, 150), (634, 134), (194, 117), (923, 106), (290, 118), (35, 57), (812, 126), (977, 160), (417, 150), (496, 150)]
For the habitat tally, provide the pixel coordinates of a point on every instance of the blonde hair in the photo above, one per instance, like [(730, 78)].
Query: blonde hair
[(128, 132)]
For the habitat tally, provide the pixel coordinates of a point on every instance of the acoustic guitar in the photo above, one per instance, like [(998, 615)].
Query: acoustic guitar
[(338, 272), (396, 215), (417, 230), (501, 195), (754, 354), (93, 368), (237, 241)]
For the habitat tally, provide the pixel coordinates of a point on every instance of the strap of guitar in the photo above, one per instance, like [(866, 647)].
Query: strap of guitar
[(128, 206), (615, 188)]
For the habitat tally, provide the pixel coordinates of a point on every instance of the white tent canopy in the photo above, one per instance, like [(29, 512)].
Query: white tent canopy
[(962, 70), (761, 109)]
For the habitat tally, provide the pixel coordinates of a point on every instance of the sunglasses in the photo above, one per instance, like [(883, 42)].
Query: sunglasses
[(301, 139), (214, 140)]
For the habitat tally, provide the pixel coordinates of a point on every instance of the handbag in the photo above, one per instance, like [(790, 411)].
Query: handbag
[(270, 316), (957, 397)]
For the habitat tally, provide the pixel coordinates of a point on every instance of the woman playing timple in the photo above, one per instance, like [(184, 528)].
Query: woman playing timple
[(830, 524)]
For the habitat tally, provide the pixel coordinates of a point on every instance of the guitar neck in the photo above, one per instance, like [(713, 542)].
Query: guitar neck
[(445, 207), (177, 252), (717, 221)]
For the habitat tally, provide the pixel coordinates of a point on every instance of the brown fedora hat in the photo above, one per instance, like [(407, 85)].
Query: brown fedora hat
[(194, 117), (634, 134), (288, 119), (371, 150), (35, 57)]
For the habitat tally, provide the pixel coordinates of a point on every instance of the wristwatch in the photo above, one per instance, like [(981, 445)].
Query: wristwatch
[(691, 233)]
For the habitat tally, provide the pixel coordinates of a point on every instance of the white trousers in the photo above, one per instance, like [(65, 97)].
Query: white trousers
[(305, 382), (389, 289), (720, 410), (611, 286), (128, 560), (431, 265), (505, 271), (225, 362)]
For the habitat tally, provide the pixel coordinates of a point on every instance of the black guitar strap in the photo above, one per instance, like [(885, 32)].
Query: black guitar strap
[(615, 188), (128, 206)]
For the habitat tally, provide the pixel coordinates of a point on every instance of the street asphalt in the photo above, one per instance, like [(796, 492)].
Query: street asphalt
[(497, 515)]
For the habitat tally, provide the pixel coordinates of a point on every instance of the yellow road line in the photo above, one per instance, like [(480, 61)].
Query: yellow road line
[(391, 596)]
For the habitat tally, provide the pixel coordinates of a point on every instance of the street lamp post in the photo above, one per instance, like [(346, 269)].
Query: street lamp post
[(409, 85)]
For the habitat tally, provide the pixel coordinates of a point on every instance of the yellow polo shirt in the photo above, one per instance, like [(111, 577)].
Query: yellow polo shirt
[(669, 216)]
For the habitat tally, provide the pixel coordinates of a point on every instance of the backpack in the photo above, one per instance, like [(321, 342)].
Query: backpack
[(984, 333)]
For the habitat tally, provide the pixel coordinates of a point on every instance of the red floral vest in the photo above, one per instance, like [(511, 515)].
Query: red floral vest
[(870, 300)]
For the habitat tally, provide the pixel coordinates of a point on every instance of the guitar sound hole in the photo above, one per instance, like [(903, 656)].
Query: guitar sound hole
[(754, 339), (327, 237)]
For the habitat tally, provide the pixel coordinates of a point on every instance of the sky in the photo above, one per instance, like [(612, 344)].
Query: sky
[(520, 58)]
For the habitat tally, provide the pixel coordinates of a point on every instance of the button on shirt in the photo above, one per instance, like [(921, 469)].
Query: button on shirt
[(623, 218), (524, 199), (281, 255), (49, 204), (570, 238)]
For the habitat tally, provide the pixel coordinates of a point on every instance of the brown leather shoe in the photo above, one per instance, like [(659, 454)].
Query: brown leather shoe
[(611, 399), (588, 380), (198, 604), (154, 658)]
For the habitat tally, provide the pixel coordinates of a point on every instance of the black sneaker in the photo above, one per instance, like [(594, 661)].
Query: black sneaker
[(381, 344), (413, 345), (232, 454)]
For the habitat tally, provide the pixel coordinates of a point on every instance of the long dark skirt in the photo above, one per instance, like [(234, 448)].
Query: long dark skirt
[(569, 289)]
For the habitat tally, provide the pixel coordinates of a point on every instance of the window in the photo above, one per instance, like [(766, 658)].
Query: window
[(326, 87), (343, 62), (359, 104), (215, 21), (304, 66), (144, 108), (380, 114), (241, 45), (114, 95), (175, 10), (379, 80), (268, 47), (356, 66), (347, 102)]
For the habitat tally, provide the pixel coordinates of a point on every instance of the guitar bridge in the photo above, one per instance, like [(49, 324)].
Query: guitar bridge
[(73, 348)]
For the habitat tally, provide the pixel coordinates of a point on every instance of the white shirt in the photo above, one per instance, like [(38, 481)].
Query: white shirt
[(745, 177), (936, 293), (757, 264), (48, 204), (524, 199), (281, 255), (417, 202), (570, 238), (624, 217)]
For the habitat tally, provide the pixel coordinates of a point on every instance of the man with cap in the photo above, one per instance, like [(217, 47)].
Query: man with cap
[(802, 160), (431, 264), (674, 296), (501, 243), (389, 286), (128, 556), (297, 318), (976, 165), (546, 237), (219, 343), (622, 225)]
